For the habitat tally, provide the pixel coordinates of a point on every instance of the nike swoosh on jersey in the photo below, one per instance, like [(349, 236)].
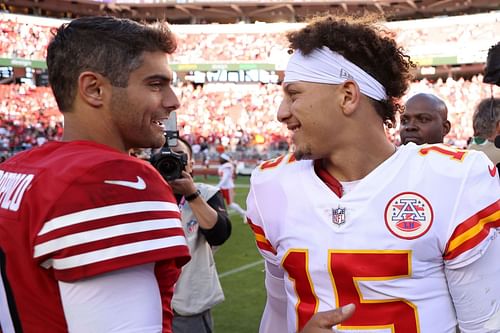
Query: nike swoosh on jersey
[(492, 170), (138, 185)]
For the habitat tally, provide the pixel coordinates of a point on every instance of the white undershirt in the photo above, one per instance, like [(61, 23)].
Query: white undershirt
[(125, 301), (349, 186)]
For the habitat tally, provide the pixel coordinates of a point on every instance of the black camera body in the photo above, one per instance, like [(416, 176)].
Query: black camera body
[(169, 163)]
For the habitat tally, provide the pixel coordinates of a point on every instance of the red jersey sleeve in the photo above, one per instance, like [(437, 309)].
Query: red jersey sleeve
[(116, 214)]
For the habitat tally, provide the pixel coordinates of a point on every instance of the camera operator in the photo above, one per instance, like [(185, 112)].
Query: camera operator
[(206, 224), (486, 124), (486, 118)]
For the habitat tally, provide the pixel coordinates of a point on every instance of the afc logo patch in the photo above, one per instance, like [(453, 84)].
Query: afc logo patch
[(408, 215)]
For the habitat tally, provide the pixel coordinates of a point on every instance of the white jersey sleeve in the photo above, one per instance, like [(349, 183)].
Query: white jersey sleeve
[(471, 256), (476, 292), (274, 317), (476, 214), (255, 214)]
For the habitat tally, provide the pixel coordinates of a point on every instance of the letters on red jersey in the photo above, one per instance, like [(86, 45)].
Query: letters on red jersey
[(75, 210)]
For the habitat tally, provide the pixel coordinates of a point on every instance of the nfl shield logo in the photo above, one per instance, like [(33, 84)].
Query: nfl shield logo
[(338, 216)]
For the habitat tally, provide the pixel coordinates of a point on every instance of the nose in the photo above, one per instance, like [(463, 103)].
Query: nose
[(409, 126), (284, 110), (170, 101)]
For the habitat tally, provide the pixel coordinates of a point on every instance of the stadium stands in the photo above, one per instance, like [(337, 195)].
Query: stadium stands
[(239, 117), (242, 117), (464, 38)]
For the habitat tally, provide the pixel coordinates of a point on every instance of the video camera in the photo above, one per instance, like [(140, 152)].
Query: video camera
[(169, 163)]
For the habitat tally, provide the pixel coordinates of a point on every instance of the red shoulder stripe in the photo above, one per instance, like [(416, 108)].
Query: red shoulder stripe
[(473, 231), (260, 238)]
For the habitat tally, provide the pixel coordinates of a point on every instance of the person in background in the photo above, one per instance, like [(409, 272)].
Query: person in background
[(409, 235), (226, 183), (424, 120), (206, 224), (91, 238), (205, 156), (486, 124)]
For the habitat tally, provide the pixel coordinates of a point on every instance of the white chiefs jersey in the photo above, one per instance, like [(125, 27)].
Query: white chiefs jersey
[(384, 245)]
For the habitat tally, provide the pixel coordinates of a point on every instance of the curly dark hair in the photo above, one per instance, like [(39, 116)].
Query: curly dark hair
[(106, 45), (368, 46)]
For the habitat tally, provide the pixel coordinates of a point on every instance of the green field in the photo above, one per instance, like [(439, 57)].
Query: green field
[(241, 273)]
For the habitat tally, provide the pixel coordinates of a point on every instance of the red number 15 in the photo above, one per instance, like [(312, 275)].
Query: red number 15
[(346, 269)]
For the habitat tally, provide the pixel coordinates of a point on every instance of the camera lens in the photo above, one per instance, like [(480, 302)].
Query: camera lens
[(170, 164), (170, 168)]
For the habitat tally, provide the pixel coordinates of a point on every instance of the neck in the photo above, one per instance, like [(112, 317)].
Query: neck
[(354, 162), (86, 128)]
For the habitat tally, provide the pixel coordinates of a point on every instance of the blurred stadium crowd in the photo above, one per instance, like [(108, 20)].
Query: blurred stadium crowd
[(240, 118)]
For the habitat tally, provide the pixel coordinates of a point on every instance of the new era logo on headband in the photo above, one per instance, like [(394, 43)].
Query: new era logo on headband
[(345, 74)]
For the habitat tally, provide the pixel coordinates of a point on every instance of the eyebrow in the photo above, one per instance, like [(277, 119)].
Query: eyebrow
[(417, 114), (160, 77)]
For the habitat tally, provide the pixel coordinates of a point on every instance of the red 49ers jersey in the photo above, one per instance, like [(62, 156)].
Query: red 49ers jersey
[(384, 245), (72, 210)]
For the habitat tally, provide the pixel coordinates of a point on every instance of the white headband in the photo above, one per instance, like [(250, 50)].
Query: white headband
[(325, 66)]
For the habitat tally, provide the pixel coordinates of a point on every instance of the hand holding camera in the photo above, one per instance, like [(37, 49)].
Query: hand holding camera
[(169, 163), (183, 185)]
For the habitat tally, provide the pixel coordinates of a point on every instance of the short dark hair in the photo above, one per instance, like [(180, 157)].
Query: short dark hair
[(188, 145), (106, 45), (486, 117), (367, 46)]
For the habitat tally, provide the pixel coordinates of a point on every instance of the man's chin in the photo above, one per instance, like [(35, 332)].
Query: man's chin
[(301, 155), (160, 142)]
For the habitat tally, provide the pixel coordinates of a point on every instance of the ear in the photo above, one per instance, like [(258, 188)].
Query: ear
[(350, 97), (91, 88), (446, 127)]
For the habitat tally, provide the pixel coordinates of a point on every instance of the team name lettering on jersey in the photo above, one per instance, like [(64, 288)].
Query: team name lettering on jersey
[(12, 188)]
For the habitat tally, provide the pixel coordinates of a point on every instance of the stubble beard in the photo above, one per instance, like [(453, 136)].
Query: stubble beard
[(304, 153), (139, 138)]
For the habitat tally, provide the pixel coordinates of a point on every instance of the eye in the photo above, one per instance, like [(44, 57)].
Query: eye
[(156, 85), (293, 95)]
